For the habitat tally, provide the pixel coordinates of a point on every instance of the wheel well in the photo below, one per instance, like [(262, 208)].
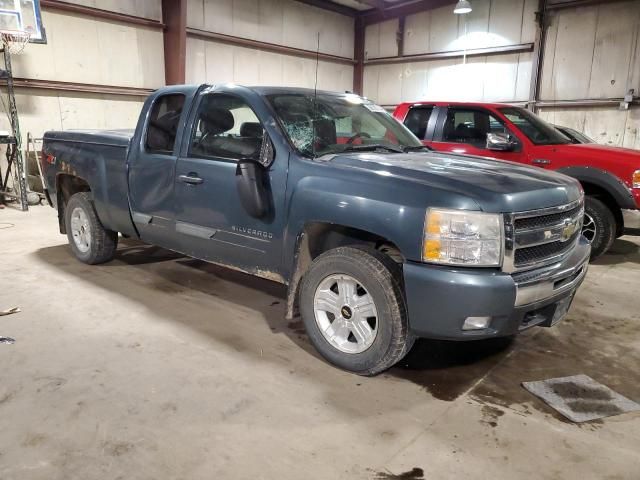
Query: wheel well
[(67, 186), (319, 237), (603, 195)]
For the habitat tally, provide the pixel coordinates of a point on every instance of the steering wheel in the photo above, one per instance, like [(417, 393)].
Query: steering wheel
[(357, 136)]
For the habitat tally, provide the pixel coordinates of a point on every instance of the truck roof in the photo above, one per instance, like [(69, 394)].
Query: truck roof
[(261, 90), (457, 104)]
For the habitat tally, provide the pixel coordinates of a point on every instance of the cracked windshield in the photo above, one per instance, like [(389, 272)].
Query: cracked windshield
[(328, 124)]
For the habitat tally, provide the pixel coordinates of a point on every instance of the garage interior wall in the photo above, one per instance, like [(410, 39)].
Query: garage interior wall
[(82, 49), (592, 55), (280, 22), (492, 23)]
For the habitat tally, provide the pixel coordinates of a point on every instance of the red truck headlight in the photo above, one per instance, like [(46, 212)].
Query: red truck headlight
[(635, 181)]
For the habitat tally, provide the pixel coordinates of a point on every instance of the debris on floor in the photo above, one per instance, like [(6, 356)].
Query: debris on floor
[(9, 311), (580, 398), (7, 340)]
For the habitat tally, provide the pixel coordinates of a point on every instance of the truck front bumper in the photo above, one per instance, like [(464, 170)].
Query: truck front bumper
[(441, 299)]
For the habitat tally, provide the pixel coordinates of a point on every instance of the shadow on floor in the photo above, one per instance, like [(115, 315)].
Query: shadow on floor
[(622, 251)]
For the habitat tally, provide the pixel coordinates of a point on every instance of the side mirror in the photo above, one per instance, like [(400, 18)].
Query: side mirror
[(500, 142), (251, 181)]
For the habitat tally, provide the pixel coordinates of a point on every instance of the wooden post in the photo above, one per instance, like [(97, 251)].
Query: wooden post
[(358, 56)]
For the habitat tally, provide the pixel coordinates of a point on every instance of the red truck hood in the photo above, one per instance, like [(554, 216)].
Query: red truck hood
[(601, 153)]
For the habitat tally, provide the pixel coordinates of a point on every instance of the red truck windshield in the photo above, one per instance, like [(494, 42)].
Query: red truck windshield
[(536, 129)]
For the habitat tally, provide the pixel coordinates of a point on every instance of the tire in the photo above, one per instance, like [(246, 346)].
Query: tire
[(599, 226), (375, 275), (92, 242)]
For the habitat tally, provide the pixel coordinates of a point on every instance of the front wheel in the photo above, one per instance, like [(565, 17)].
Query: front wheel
[(354, 311), (599, 226), (90, 242)]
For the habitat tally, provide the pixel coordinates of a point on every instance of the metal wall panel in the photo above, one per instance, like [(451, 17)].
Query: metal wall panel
[(214, 62), (495, 78), (83, 50), (592, 52), (607, 126), (283, 22), (500, 78), (141, 8), (42, 110)]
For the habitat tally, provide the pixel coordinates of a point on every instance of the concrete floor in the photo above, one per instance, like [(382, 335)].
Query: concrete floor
[(156, 366)]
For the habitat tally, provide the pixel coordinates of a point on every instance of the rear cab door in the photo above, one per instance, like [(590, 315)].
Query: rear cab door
[(464, 129), (152, 163)]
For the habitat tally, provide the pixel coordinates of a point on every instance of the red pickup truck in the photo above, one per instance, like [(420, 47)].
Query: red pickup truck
[(610, 176)]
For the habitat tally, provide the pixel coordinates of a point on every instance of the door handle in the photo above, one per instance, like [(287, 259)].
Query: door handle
[(541, 161), (191, 179)]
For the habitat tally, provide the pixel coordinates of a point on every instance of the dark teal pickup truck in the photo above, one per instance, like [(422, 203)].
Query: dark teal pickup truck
[(379, 239)]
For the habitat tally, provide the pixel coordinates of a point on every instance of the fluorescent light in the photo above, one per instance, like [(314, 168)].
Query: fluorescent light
[(462, 7)]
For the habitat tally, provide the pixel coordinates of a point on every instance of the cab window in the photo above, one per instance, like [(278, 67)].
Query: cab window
[(226, 127), (417, 120), (470, 126), (164, 119)]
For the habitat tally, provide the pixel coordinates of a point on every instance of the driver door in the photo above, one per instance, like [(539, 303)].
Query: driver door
[(211, 221), (464, 130)]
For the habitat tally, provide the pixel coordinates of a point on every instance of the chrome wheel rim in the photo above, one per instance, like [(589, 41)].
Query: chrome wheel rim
[(345, 313), (589, 228), (80, 230)]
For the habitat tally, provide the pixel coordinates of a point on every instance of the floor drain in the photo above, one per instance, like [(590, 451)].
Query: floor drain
[(580, 398)]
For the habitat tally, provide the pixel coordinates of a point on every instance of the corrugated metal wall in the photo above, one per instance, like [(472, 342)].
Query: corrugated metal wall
[(82, 49), (593, 53), (493, 23), (280, 22)]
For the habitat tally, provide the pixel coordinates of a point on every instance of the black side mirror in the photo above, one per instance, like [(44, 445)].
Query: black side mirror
[(500, 142), (252, 184)]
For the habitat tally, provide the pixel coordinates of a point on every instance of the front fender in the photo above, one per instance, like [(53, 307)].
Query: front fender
[(605, 180)]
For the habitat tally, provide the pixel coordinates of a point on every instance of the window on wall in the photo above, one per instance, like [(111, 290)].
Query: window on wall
[(470, 126), (226, 127), (163, 123), (417, 120)]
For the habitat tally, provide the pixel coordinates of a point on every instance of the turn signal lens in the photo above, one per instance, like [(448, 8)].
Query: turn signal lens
[(635, 182)]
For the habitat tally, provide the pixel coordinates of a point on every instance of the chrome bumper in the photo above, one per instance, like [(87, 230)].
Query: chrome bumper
[(552, 281)]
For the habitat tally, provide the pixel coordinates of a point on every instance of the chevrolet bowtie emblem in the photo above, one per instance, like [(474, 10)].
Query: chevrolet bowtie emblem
[(570, 227)]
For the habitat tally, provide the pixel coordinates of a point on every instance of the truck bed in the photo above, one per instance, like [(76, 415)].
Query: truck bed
[(99, 158)]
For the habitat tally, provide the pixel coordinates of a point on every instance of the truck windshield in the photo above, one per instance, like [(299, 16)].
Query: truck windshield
[(536, 129), (325, 124)]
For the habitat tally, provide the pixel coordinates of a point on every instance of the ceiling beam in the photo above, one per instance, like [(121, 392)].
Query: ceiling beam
[(332, 7), (402, 9)]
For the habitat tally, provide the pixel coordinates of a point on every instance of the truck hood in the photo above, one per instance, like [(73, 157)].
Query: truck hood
[(589, 152), (496, 186)]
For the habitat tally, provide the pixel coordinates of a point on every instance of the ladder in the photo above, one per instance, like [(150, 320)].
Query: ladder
[(15, 161)]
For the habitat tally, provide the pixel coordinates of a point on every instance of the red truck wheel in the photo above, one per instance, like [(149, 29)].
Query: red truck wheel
[(599, 226)]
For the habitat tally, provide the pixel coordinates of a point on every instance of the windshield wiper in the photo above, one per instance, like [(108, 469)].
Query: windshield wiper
[(373, 147), (417, 148)]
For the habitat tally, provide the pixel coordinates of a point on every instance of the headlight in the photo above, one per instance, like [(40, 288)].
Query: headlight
[(635, 181), (460, 237)]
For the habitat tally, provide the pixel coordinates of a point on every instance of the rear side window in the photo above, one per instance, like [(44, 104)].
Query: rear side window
[(163, 123), (417, 120)]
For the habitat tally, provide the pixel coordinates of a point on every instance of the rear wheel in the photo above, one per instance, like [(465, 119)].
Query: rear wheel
[(90, 242), (354, 311), (599, 226)]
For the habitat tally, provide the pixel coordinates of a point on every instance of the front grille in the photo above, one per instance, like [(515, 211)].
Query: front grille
[(528, 255), (544, 220), (538, 238)]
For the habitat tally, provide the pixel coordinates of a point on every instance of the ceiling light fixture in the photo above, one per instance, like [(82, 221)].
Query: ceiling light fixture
[(462, 7)]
